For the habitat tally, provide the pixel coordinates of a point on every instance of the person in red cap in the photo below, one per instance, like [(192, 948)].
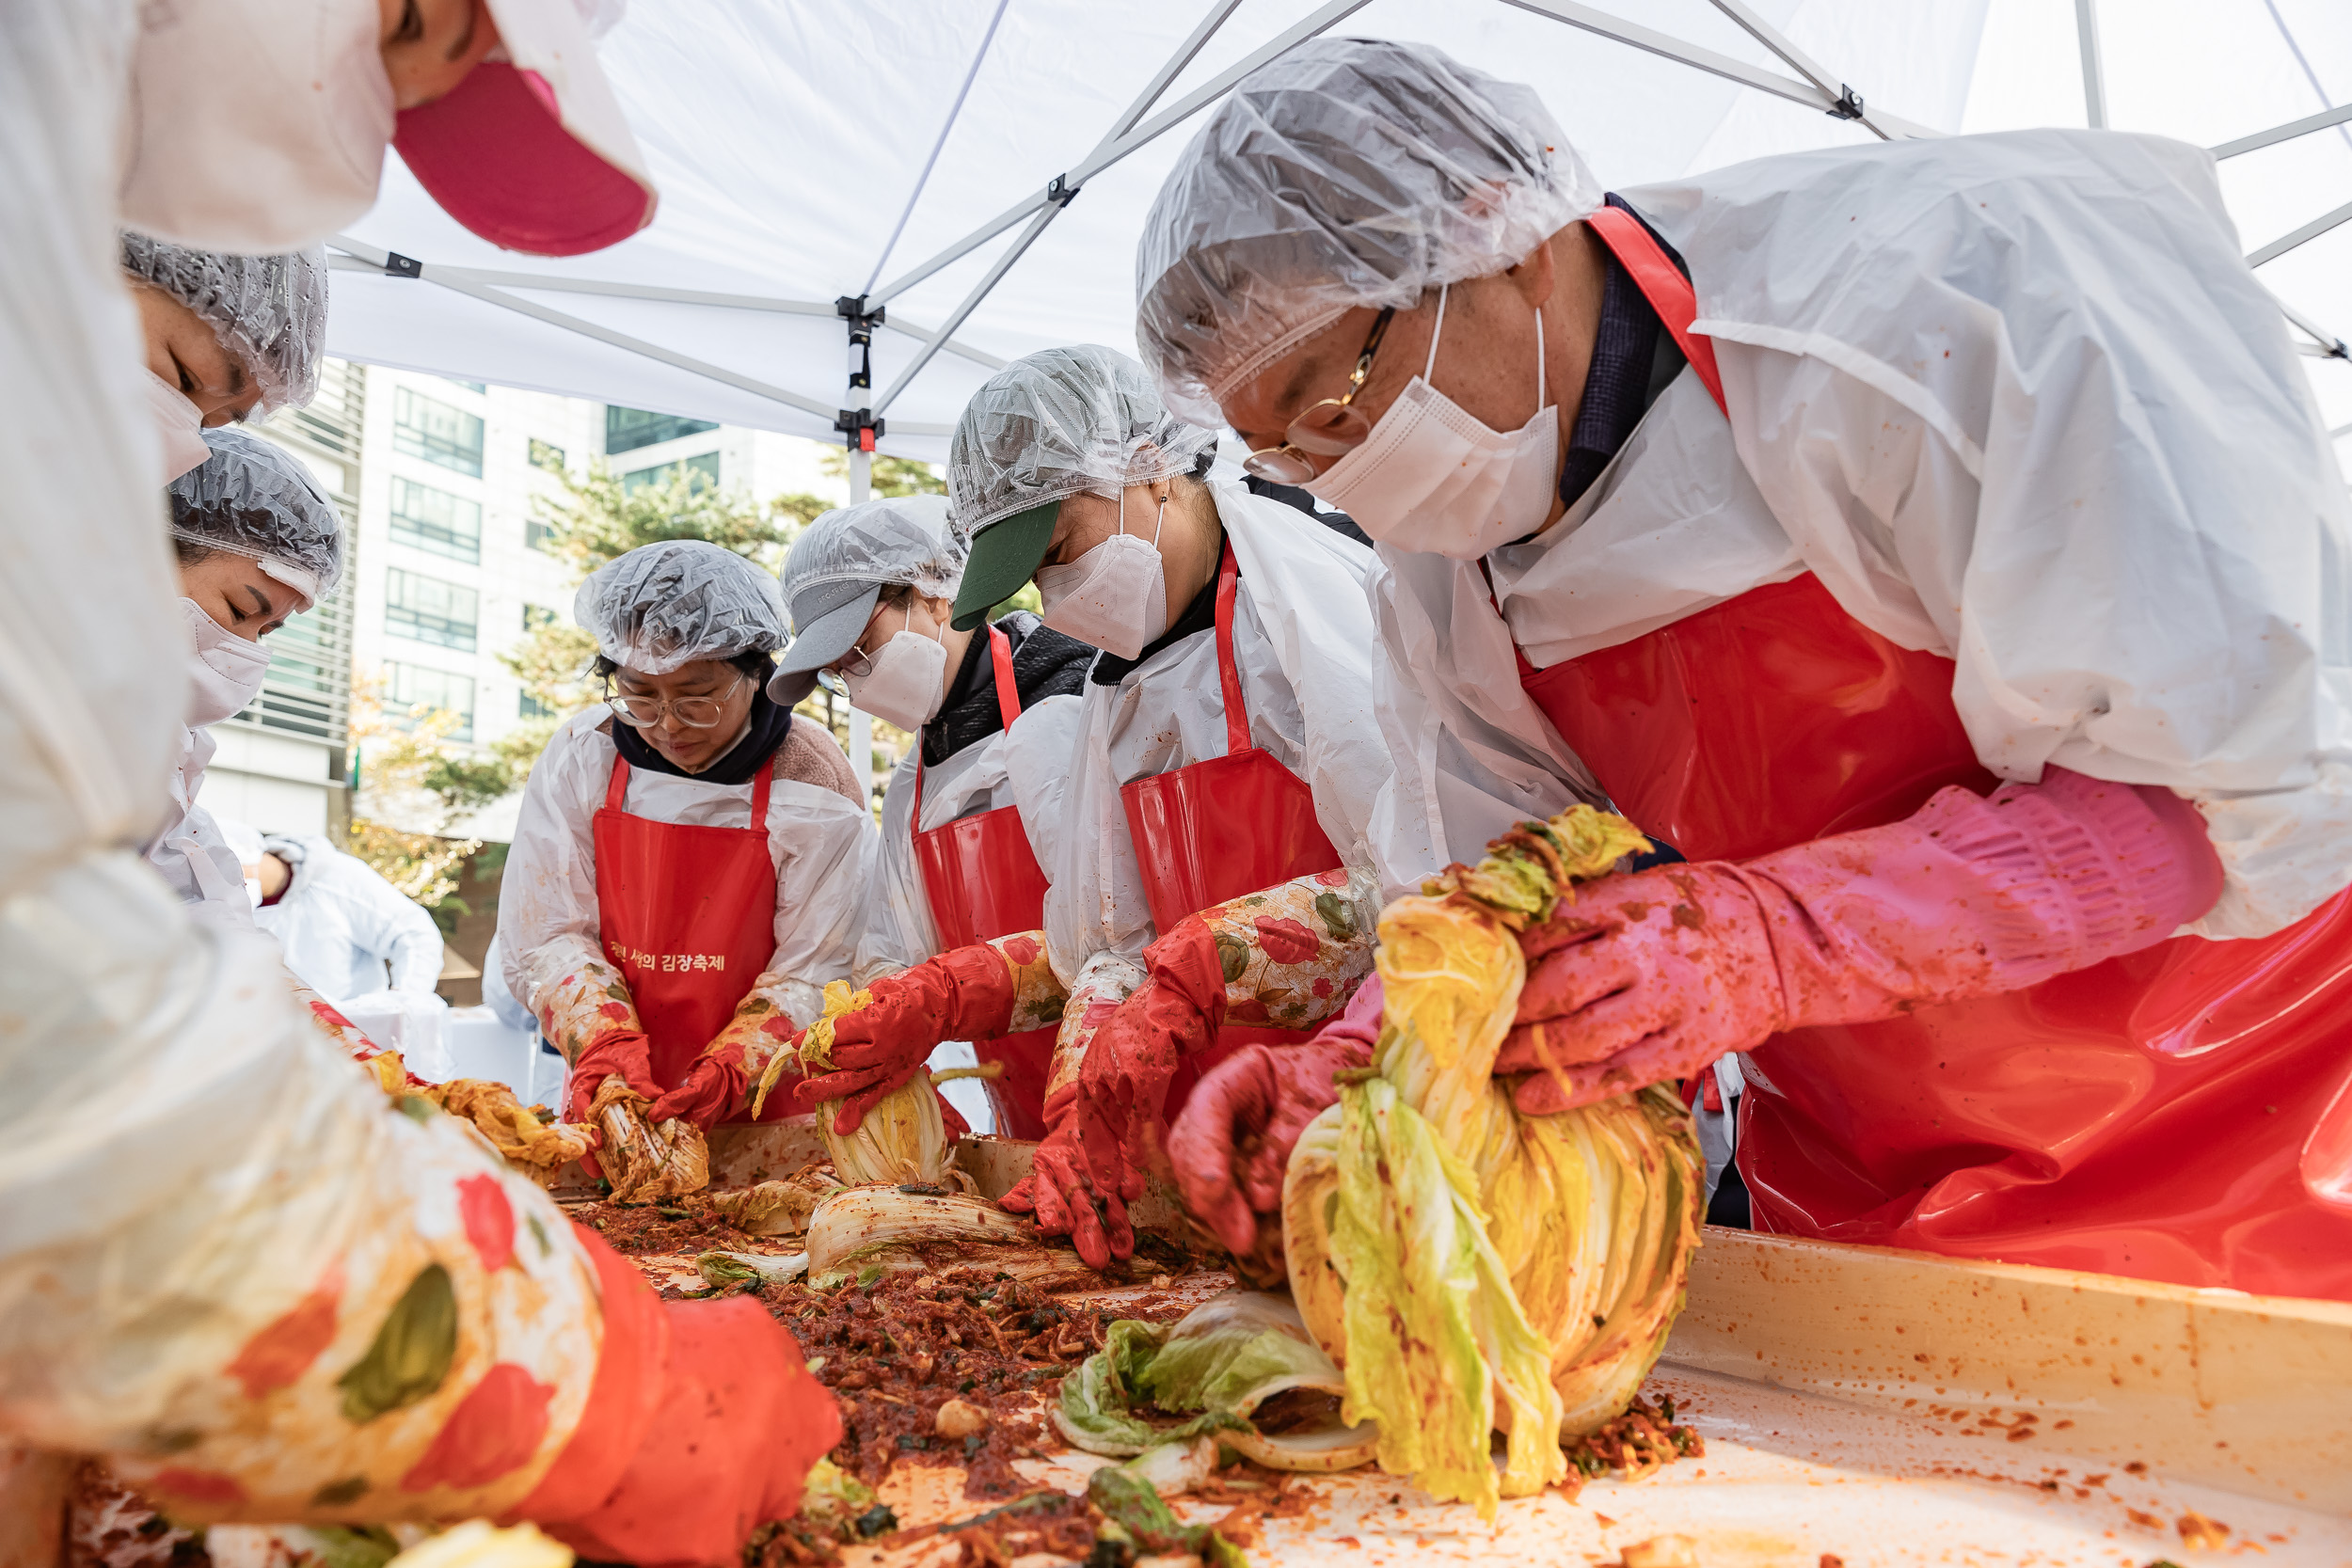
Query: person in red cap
[(235, 1271)]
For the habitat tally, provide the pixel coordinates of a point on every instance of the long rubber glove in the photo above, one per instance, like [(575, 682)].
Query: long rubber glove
[(718, 1086), (1059, 1190), (1232, 1142), (1287, 957), (1653, 975), (661, 1471), (968, 994), (590, 1017)]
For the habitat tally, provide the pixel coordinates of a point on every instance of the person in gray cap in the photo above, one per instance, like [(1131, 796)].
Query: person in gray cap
[(691, 860), (994, 713), (1226, 750)]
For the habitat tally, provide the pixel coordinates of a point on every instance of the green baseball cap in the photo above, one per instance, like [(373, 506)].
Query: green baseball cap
[(1004, 556)]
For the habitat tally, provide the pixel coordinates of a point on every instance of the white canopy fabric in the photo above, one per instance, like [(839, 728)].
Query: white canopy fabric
[(808, 150)]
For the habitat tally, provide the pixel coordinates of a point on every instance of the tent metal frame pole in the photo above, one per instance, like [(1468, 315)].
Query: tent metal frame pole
[(2325, 345), (1116, 145), (2309, 231), (2094, 64), (1851, 106), (1666, 47), (1123, 139), (2288, 131), (552, 284)]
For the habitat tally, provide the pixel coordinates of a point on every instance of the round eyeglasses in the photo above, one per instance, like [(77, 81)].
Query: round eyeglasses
[(1327, 429), (695, 713)]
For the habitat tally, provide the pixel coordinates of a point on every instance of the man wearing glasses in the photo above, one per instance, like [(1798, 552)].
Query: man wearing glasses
[(690, 860), (1934, 541)]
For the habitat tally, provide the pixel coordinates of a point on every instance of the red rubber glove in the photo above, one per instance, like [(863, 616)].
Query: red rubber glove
[(616, 1053), (1123, 1082), (962, 995), (1059, 1190), (701, 1425), (1233, 1141), (1653, 975), (714, 1088)]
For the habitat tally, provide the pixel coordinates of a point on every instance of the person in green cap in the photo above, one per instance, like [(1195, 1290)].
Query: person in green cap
[(1211, 885)]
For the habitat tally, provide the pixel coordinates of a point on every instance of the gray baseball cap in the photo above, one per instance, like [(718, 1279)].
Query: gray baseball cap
[(839, 567)]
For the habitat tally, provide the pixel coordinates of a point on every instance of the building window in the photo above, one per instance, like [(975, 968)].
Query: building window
[(536, 536), (529, 707), (412, 686), (437, 433), (546, 454), (627, 429), (470, 385), (537, 615), (702, 472), (429, 609), (436, 520)]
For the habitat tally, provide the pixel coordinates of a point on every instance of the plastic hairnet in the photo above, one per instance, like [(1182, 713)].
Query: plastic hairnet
[(667, 605), (269, 311), (888, 540), (254, 497), (1349, 172), (1061, 422)]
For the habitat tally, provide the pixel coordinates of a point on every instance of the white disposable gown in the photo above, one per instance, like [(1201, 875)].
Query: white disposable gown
[(188, 1156), (822, 844), (980, 777), (341, 924), (2016, 399), (1307, 658)]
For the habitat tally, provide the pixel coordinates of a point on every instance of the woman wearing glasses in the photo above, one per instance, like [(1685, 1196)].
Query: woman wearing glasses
[(1210, 852), (692, 861)]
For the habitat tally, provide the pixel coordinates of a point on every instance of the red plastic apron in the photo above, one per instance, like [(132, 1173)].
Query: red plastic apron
[(1215, 830), (688, 914), (984, 882), (2184, 1113)]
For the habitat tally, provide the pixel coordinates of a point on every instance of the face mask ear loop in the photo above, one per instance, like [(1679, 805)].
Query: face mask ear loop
[(1540, 403), (1434, 333), (1160, 520)]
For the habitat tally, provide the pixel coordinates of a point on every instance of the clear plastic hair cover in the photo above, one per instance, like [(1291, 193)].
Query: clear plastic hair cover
[(269, 311), (667, 605), (1349, 172), (880, 543), (254, 497), (1064, 422)]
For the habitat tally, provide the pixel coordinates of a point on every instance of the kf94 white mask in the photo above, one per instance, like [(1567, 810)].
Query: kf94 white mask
[(226, 671), (905, 682), (1114, 597), (180, 424), (1433, 479)]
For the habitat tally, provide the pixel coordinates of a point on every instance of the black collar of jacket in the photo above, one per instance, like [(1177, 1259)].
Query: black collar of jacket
[(1044, 664)]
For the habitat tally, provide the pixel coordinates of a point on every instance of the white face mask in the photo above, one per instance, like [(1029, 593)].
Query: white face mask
[(180, 426), (1431, 479), (1114, 597), (255, 125), (226, 671), (906, 682)]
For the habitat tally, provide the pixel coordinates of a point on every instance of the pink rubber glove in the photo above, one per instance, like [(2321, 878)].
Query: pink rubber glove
[(1653, 975), (1233, 1140)]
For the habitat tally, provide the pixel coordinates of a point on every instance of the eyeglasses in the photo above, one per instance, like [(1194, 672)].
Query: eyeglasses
[(1327, 429), (695, 713)]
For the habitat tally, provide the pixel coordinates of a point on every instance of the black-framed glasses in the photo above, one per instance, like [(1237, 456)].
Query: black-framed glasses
[(695, 713), (1327, 429)]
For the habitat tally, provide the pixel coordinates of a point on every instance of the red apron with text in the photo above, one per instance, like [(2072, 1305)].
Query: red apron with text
[(984, 882), (2184, 1113), (1213, 830), (688, 914)]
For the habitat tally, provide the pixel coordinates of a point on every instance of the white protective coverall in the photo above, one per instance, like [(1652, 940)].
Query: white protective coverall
[(822, 844), (189, 1161), (1893, 384), (1308, 657), (340, 923)]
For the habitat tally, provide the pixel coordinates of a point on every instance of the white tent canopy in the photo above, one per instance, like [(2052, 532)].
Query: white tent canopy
[(904, 150)]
